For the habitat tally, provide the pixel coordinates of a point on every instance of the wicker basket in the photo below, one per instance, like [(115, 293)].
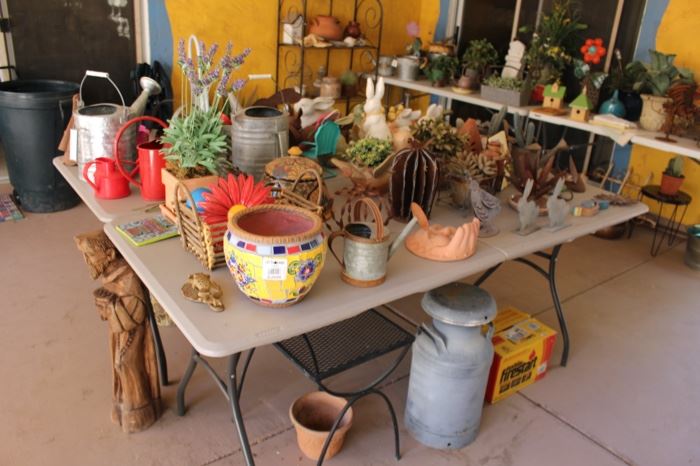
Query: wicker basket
[(206, 241)]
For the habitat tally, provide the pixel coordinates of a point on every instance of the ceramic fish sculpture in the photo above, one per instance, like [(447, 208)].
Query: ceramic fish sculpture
[(486, 208), (527, 210), (557, 209)]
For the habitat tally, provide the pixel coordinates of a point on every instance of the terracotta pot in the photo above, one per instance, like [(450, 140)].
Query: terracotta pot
[(170, 182), (653, 112), (670, 185), (327, 27), (313, 416), (275, 253), (469, 80)]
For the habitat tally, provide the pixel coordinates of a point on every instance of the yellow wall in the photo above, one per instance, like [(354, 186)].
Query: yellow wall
[(676, 34), (252, 23)]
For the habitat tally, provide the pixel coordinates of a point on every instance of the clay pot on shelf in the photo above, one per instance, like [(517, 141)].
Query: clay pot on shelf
[(353, 30), (469, 80), (275, 253), (670, 185), (327, 27), (330, 87), (313, 416), (653, 112)]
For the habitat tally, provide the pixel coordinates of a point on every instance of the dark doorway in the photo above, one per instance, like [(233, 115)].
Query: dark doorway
[(60, 39)]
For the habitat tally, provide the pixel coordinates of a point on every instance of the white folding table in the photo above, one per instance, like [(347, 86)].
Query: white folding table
[(244, 325)]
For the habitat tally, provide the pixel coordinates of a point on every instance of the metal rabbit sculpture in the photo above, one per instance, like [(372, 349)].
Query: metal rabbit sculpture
[(374, 124), (527, 211), (486, 208), (557, 208)]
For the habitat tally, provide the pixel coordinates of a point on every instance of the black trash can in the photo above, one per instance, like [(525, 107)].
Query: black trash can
[(33, 115)]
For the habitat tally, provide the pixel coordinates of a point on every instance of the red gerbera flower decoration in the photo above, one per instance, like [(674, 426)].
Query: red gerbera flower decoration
[(593, 50)]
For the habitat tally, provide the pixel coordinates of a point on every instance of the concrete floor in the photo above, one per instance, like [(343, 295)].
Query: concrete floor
[(628, 396)]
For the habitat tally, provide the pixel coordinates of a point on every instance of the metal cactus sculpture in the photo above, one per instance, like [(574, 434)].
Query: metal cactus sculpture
[(414, 178)]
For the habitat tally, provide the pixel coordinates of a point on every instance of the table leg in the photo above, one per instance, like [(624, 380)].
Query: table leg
[(160, 353), (185, 380), (551, 276), (233, 397)]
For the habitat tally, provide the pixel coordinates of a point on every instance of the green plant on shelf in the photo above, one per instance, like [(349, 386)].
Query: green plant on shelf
[(511, 84), (657, 76), (441, 69), (675, 167), (348, 78), (369, 152), (479, 55)]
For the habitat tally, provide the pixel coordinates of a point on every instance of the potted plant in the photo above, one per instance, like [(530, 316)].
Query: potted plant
[(479, 55), (672, 178), (348, 81), (507, 91), (196, 147), (553, 43), (369, 152), (441, 69), (653, 81)]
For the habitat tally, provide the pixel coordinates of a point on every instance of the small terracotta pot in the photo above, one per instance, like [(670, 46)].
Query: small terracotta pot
[(313, 416), (670, 185)]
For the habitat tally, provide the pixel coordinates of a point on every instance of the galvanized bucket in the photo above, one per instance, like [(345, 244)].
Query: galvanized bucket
[(259, 135), (97, 126), (692, 249)]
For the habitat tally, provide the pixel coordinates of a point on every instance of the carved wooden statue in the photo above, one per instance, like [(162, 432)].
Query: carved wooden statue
[(122, 303)]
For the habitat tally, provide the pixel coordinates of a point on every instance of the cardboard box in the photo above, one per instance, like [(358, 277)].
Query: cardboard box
[(522, 348)]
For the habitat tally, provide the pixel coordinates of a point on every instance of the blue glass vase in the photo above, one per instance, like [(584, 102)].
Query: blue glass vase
[(613, 106)]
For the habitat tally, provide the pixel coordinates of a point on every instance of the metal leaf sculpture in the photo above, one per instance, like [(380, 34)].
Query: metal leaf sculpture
[(414, 178)]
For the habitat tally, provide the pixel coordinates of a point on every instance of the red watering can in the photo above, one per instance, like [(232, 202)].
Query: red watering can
[(109, 183), (148, 165)]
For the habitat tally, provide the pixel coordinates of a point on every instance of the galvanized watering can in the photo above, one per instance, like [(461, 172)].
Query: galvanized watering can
[(365, 257), (97, 125)]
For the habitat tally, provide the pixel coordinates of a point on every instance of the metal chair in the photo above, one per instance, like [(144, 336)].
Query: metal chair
[(336, 348), (325, 140)]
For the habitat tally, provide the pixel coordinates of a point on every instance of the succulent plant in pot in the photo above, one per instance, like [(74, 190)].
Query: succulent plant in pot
[(507, 91), (653, 80), (672, 178), (441, 69), (478, 57)]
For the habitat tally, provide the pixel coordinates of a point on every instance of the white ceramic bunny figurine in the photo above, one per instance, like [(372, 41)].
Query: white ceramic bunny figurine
[(557, 209), (434, 112), (401, 127), (313, 109), (374, 124)]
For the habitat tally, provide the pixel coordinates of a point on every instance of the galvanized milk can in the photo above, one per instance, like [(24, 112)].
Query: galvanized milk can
[(97, 125), (450, 367), (258, 135)]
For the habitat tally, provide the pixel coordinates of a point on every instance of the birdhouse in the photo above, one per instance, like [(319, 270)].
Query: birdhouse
[(554, 96), (581, 107)]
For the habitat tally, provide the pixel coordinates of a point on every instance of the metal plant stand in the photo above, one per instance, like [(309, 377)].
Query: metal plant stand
[(336, 348), (550, 275), (291, 61), (670, 232), (320, 354)]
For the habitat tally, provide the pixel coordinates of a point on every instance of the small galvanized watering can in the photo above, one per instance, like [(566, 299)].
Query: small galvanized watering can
[(365, 257), (98, 124)]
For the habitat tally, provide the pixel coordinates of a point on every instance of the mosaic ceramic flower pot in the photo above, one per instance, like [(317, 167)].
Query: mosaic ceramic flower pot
[(275, 253)]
